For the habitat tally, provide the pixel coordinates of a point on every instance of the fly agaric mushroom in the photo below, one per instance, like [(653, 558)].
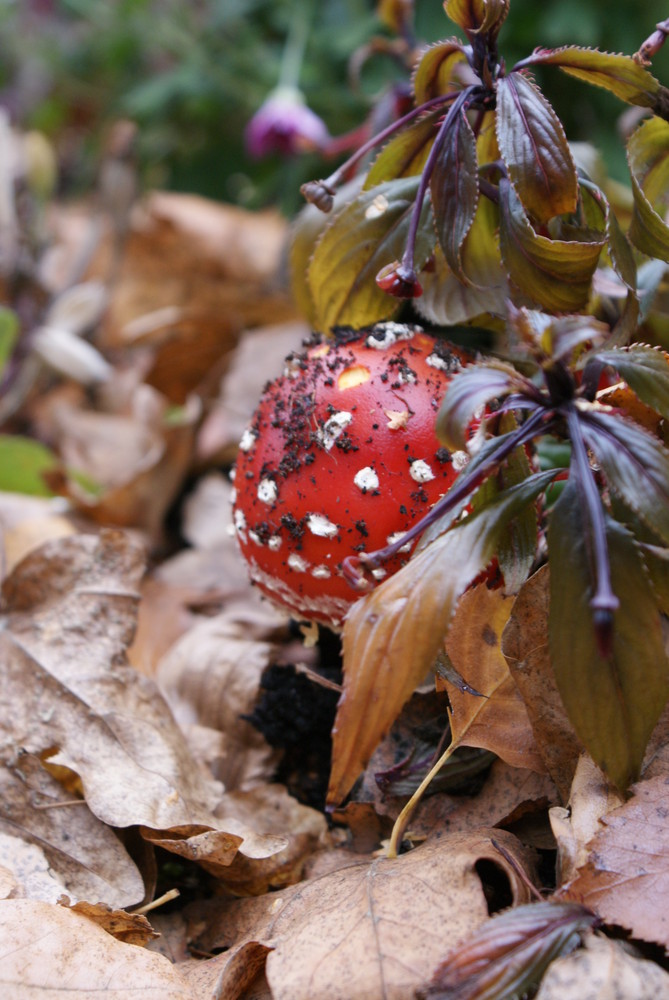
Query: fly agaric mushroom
[(341, 458)]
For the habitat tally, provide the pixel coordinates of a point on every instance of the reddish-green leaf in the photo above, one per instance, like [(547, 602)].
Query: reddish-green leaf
[(656, 561), (535, 149), (646, 371), (477, 15), (392, 636), (469, 390), (509, 954), (366, 235), (436, 73), (555, 274), (406, 153), (455, 192), (612, 703), (635, 465), (648, 159), (620, 74)]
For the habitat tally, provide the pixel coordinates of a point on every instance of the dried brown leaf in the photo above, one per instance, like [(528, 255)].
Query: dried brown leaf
[(212, 675), (525, 646), (70, 616), (391, 639), (275, 815), (131, 928), (592, 797), (51, 951), (63, 848), (626, 878), (229, 975), (498, 721), (371, 929)]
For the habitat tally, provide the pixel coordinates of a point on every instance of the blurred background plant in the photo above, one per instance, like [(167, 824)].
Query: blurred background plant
[(191, 75)]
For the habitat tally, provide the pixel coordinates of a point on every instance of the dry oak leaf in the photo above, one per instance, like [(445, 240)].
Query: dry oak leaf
[(604, 970), (211, 677), (52, 952), (626, 879), (70, 611), (498, 721), (375, 928), (525, 646), (63, 848)]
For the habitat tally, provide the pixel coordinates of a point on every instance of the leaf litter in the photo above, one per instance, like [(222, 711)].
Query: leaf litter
[(132, 663)]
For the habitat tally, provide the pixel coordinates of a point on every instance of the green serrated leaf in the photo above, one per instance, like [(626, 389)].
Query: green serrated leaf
[(9, 330), (646, 371), (613, 704), (648, 160), (435, 73), (534, 149), (635, 465), (455, 191), (518, 547), (620, 74), (306, 230), (366, 235), (556, 274), (22, 464), (406, 153)]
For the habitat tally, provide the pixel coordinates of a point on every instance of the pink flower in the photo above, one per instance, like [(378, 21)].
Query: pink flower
[(285, 125)]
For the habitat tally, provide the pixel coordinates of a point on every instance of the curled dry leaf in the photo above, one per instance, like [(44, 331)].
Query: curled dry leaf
[(498, 721), (128, 466), (70, 613), (603, 970), (592, 797), (274, 814), (211, 677), (508, 954), (131, 928), (525, 646), (52, 951), (626, 877), (65, 848), (231, 975)]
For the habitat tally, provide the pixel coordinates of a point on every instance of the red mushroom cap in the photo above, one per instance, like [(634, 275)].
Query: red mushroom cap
[(340, 457)]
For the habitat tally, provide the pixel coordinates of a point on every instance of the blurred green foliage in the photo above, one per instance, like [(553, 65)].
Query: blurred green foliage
[(191, 74)]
